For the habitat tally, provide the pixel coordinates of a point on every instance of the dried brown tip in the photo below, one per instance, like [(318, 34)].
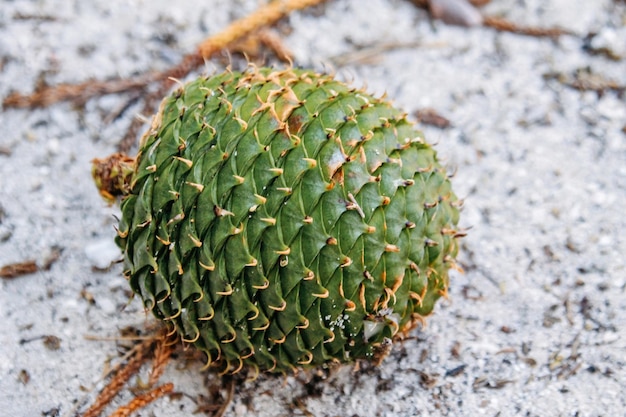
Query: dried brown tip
[(113, 175)]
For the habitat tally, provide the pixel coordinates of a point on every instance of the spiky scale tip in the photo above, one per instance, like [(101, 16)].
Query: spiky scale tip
[(281, 219)]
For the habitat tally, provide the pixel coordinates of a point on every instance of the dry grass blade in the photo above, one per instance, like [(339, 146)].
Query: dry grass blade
[(373, 53), (143, 400), (504, 25)]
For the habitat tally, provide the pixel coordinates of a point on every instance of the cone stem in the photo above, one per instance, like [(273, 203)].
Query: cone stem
[(113, 175)]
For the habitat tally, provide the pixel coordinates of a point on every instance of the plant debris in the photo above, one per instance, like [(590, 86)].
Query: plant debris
[(52, 342), (485, 382), (136, 357), (30, 266), (23, 376), (465, 13), (504, 25), (431, 117), (585, 79), (18, 269), (456, 371), (143, 400)]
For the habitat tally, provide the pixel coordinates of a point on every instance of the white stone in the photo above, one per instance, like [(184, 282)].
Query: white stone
[(102, 253)]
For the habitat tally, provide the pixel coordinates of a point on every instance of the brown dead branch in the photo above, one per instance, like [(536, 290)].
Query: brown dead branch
[(120, 378), (143, 400), (80, 93), (272, 41), (264, 16), (158, 347)]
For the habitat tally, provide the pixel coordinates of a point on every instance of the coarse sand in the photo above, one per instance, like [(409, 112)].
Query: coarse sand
[(534, 327)]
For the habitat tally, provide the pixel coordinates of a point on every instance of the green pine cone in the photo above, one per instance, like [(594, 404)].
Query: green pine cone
[(284, 220)]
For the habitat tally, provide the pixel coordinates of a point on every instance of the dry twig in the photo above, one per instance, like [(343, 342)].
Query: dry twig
[(504, 25), (264, 16)]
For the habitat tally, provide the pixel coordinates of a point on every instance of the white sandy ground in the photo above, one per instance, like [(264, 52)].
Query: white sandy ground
[(537, 322)]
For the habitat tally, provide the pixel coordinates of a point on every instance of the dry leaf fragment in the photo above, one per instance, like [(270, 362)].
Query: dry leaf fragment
[(430, 117), (52, 342), (18, 269), (23, 377)]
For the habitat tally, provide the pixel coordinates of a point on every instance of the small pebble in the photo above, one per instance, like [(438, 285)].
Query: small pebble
[(102, 253), (106, 305), (609, 42), (456, 12)]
